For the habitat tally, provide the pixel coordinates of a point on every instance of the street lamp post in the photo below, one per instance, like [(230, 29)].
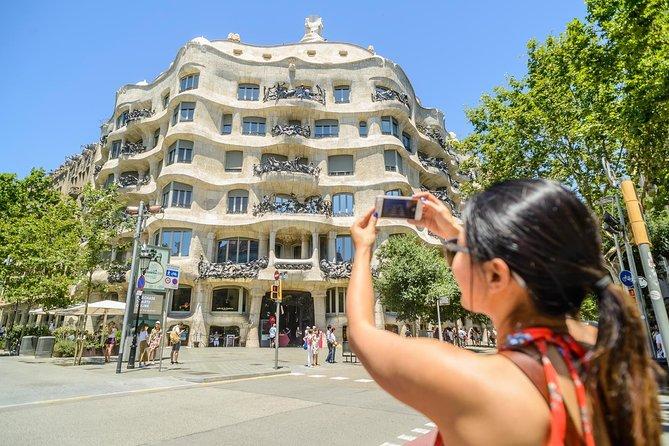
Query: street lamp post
[(146, 255)]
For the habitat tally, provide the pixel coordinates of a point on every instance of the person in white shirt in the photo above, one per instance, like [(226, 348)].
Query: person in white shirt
[(272, 335), (143, 339), (659, 346), (332, 345)]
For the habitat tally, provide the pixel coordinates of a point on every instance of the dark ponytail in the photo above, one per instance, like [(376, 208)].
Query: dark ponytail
[(550, 239), (622, 374)]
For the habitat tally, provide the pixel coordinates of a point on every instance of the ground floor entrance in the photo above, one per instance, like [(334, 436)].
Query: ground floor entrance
[(297, 312)]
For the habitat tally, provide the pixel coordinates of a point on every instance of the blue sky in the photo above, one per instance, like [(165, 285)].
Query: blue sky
[(65, 60)]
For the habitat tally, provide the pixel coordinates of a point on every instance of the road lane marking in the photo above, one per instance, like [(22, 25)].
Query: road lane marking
[(339, 378), (363, 380), (296, 374), (389, 444), (316, 376), (420, 430), (406, 437), (430, 424)]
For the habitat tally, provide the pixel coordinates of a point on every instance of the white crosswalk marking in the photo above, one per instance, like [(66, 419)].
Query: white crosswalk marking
[(389, 444), (339, 378), (430, 424), (316, 376), (363, 380), (406, 437), (296, 374), (420, 430)]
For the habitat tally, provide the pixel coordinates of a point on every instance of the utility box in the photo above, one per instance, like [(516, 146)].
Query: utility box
[(28, 345), (45, 346)]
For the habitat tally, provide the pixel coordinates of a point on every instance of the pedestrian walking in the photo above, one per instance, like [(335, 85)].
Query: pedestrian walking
[(659, 346), (462, 337), (175, 339), (526, 255), (307, 345), (316, 345), (332, 345), (272, 335), (407, 331), (110, 341), (143, 339), (154, 341)]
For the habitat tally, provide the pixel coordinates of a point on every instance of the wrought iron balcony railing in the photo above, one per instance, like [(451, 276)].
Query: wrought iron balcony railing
[(281, 91), (386, 94), (291, 205), (293, 264), (74, 191), (336, 270), (230, 270), (273, 165), (132, 179), (291, 130), (97, 170), (434, 133), (116, 272), (132, 148), (444, 196), (137, 115), (438, 163)]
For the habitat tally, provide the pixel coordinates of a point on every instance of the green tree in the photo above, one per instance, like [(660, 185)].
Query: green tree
[(411, 276), (39, 239), (598, 90)]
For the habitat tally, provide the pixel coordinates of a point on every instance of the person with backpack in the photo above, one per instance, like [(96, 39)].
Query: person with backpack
[(175, 340), (526, 254)]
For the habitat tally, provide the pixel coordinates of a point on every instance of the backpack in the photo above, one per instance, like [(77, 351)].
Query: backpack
[(174, 337)]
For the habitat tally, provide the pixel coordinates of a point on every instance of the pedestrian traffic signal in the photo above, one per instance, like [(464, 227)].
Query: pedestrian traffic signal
[(274, 294)]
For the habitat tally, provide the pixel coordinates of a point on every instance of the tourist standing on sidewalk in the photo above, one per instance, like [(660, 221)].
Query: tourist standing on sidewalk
[(110, 341), (332, 345), (272, 335), (526, 255), (143, 339), (316, 345), (175, 339), (154, 341), (307, 345)]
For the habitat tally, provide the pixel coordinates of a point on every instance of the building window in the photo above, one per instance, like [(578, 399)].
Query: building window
[(233, 161), (363, 130), (177, 195), (342, 204), (344, 248), (393, 161), (389, 126), (342, 94), (237, 250), (189, 82), (340, 165), (406, 141), (226, 124), (181, 300), (326, 128), (394, 193), (121, 119), (248, 92), (180, 152), (184, 112), (229, 299), (178, 240), (253, 126), (238, 201), (335, 302), (116, 149), (156, 136), (166, 101), (267, 156)]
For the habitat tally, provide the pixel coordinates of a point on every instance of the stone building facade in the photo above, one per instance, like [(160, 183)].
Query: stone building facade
[(261, 157)]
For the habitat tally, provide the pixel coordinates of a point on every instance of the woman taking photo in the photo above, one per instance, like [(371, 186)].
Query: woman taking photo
[(526, 255)]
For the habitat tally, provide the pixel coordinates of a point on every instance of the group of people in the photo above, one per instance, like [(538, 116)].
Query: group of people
[(314, 340), (148, 342)]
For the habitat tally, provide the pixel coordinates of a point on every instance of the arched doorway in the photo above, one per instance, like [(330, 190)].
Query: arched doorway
[(298, 313)]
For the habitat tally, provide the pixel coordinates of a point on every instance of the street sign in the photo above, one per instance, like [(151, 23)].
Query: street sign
[(626, 278), (643, 283), (172, 274), (151, 304), (444, 300), (141, 282), (155, 273)]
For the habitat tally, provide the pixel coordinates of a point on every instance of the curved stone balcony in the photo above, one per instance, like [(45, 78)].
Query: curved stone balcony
[(230, 270), (132, 148), (291, 130), (291, 166), (434, 133), (281, 91), (386, 94), (291, 205), (438, 163)]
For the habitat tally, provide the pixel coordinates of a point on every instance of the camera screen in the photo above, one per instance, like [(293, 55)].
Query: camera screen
[(393, 208)]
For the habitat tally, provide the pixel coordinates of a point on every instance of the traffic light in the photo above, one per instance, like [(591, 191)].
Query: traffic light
[(274, 294)]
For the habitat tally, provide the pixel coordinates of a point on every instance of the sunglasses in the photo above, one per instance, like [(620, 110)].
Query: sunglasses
[(451, 248)]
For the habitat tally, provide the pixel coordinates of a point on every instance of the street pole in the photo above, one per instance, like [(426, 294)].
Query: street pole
[(641, 305), (643, 243), (167, 301), (441, 336), (129, 297), (618, 253), (278, 318), (133, 346)]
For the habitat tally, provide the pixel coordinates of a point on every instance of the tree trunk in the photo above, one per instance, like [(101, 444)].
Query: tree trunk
[(79, 346)]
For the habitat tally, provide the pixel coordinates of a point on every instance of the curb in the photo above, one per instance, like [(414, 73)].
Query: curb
[(219, 378)]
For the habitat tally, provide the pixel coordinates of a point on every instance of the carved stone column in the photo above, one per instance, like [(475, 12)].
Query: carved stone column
[(332, 249), (252, 336), (210, 247), (262, 246), (319, 309), (315, 253), (272, 244), (305, 246)]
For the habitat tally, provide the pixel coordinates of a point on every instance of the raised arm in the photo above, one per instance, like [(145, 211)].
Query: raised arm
[(431, 376)]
